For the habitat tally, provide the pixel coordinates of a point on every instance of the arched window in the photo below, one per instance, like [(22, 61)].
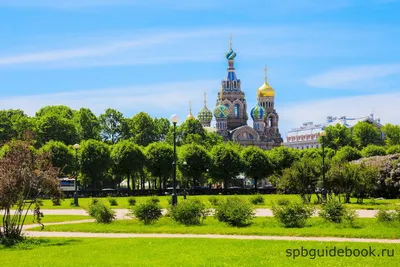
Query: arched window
[(237, 111), (270, 122), (234, 84)]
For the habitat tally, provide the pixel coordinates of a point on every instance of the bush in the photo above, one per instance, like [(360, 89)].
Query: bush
[(234, 211), (155, 199), (385, 216), (101, 212), (292, 215), (56, 201), (215, 201), (283, 202), (373, 150), (189, 212), (257, 199), (147, 212), (112, 201), (333, 211), (132, 201)]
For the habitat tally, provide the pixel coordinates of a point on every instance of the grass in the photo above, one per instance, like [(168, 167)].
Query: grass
[(185, 252), (269, 200), (54, 218), (367, 228)]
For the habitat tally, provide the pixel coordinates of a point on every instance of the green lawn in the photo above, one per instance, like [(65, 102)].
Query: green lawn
[(269, 200), (368, 228), (189, 252), (54, 218)]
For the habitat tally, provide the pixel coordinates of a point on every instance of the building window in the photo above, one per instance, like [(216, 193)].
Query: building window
[(234, 84), (237, 111)]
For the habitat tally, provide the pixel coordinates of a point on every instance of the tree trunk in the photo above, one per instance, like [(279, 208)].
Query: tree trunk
[(255, 183), (128, 184), (159, 178)]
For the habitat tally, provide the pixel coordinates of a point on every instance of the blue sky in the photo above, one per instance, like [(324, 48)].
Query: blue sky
[(324, 57)]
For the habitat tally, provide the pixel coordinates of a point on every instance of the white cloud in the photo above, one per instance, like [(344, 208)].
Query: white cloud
[(345, 77), (156, 99), (385, 106)]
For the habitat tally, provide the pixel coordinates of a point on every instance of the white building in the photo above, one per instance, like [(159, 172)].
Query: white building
[(306, 136)]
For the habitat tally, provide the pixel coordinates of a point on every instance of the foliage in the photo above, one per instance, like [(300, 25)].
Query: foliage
[(24, 176), (346, 154), (155, 199), (189, 212), (373, 150), (235, 212), (337, 136), (61, 110), (53, 126), (256, 163), (366, 134), (190, 127), (392, 134), (302, 178), (61, 156), (132, 201), (143, 129), (14, 124), (159, 160), (113, 126), (112, 201), (226, 164), (257, 199), (87, 124), (293, 215), (283, 202), (393, 150), (162, 126), (388, 216), (193, 163), (333, 211), (101, 212), (147, 212), (215, 201), (94, 162), (282, 158)]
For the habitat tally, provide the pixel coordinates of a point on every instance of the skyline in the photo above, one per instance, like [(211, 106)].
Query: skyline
[(336, 59)]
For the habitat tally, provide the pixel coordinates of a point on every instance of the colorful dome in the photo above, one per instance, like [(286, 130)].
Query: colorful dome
[(190, 116), (205, 115), (265, 90), (258, 113), (221, 112), (230, 55)]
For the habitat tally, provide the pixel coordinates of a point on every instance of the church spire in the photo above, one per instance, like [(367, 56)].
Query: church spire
[(205, 99), (265, 73), (190, 116)]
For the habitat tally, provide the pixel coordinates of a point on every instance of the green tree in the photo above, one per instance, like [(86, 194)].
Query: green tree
[(159, 161), (256, 164), (302, 177), (14, 124), (282, 157), (342, 178), (373, 150), (193, 163), (127, 158), (226, 164), (61, 110), (393, 150), (212, 139), (162, 128), (87, 124), (54, 127), (113, 126), (346, 154), (366, 134), (337, 137), (190, 127), (392, 134), (61, 156), (143, 130), (94, 162)]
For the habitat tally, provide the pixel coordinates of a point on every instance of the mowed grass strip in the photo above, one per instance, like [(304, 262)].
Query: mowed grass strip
[(270, 199), (366, 228), (189, 252), (54, 218)]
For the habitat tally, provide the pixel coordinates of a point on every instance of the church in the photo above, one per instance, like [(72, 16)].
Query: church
[(231, 114)]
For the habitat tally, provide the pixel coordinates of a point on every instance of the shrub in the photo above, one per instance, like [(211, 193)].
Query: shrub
[(147, 212), (283, 202), (189, 212), (373, 150), (234, 211), (56, 201), (215, 201), (257, 199), (112, 201), (155, 199), (101, 212), (385, 216), (333, 211), (132, 201), (292, 215)]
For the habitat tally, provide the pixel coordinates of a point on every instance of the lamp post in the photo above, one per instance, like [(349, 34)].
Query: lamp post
[(322, 134), (76, 147), (187, 182), (174, 120)]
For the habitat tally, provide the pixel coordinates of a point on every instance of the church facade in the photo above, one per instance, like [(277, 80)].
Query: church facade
[(231, 115)]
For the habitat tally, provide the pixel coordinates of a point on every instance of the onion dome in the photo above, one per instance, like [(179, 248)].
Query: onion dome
[(230, 55), (258, 113), (265, 89), (205, 115), (190, 116)]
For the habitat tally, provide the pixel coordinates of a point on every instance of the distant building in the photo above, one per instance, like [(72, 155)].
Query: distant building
[(306, 136)]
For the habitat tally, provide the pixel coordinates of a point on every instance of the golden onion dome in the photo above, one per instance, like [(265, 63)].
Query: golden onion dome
[(265, 90), (190, 116)]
